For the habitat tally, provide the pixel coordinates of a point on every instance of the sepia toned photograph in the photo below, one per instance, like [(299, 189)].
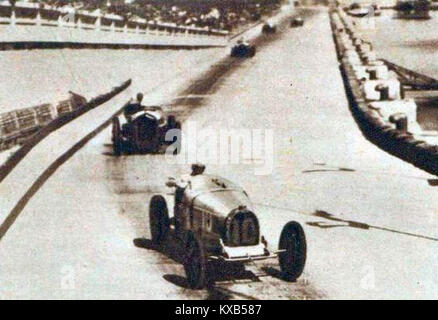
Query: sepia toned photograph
[(194, 150)]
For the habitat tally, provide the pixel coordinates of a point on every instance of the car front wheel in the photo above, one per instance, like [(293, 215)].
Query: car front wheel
[(158, 220), (293, 257)]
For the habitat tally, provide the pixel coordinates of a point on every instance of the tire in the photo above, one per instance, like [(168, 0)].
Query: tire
[(195, 263), (158, 220), (292, 261), (117, 137)]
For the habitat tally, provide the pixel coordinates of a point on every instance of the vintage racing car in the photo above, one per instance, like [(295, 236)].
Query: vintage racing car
[(243, 49), (296, 22), (269, 28), (215, 220), (144, 131)]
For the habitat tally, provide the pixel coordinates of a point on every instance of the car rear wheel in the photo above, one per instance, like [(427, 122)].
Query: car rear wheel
[(117, 137), (158, 220), (195, 263), (293, 258)]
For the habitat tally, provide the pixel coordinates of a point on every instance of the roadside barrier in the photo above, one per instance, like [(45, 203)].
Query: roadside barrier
[(17, 125), (32, 25), (55, 124), (367, 79)]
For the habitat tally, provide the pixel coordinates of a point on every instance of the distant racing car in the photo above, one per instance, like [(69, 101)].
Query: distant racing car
[(215, 220), (296, 22), (269, 28), (243, 49), (144, 131)]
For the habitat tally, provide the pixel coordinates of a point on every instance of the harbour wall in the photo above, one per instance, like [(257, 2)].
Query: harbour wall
[(377, 99)]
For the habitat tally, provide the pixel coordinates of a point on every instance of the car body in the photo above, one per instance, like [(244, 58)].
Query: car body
[(269, 28), (215, 220), (243, 49), (143, 132), (296, 22)]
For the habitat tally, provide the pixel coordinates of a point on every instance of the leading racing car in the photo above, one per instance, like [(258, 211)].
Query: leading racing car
[(215, 220)]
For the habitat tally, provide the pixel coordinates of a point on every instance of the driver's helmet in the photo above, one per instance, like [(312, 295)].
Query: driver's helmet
[(139, 97), (197, 168)]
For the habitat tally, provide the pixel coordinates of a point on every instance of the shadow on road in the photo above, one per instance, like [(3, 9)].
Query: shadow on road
[(222, 274), (355, 224)]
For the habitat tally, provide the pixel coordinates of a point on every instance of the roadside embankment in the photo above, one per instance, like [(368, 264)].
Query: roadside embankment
[(18, 125), (377, 98)]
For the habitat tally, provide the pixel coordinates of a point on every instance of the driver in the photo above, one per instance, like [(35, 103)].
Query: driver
[(242, 41), (181, 185), (197, 169), (133, 107)]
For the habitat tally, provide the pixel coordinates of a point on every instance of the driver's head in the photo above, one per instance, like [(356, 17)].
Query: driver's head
[(197, 168), (139, 97)]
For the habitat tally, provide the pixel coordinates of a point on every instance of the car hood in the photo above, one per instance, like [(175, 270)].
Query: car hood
[(221, 202)]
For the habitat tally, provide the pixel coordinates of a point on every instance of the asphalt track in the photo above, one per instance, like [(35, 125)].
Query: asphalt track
[(371, 221)]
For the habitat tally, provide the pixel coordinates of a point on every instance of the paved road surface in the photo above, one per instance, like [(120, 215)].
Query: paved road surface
[(371, 220)]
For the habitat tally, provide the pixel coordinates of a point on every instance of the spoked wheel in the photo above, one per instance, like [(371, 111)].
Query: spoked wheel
[(158, 220), (195, 263), (117, 137), (293, 259)]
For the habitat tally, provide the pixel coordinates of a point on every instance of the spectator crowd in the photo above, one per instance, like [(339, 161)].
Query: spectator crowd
[(213, 14)]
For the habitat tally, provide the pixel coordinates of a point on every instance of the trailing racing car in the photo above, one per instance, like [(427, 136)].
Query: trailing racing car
[(296, 22), (144, 131), (243, 49), (269, 28), (215, 220)]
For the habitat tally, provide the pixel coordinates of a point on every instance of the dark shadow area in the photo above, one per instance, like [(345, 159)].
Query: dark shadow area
[(214, 292), (222, 293), (433, 182), (275, 273), (424, 44), (172, 249), (220, 273), (359, 225), (329, 170), (177, 280)]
